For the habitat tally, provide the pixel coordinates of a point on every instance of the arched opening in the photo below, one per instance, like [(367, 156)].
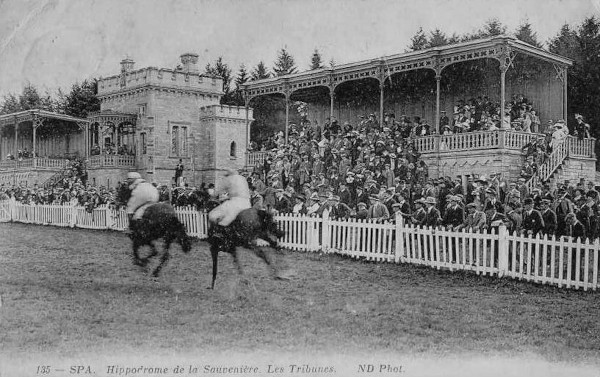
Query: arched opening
[(233, 150)]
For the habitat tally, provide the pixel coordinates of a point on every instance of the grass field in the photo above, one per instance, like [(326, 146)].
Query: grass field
[(71, 294)]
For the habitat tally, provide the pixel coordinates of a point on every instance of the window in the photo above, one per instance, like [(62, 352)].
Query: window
[(179, 142), (143, 142), (232, 150)]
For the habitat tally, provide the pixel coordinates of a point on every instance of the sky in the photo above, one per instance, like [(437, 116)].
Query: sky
[(54, 43)]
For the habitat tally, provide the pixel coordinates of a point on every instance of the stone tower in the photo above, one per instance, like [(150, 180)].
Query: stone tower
[(171, 107)]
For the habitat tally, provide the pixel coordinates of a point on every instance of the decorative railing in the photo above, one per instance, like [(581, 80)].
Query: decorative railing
[(474, 140), (256, 158), (111, 160), (581, 148), (545, 170)]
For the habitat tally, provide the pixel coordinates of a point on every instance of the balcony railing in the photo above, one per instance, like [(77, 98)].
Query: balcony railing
[(43, 163), (255, 158), (501, 139), (111, 160)]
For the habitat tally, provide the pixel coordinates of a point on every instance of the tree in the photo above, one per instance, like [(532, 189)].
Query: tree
[(221, 69), (438, 38), (82, 99), (260, 72), (284, 65), (491, 28), (566, 43), (30, 98), (527, 35), (240, 80), (10, 104), (316, 61), (418, 41)]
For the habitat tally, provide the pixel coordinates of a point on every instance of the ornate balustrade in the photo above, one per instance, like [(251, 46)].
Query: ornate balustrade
[(474, 140), (495, 139), (581, 148), (111, 160)]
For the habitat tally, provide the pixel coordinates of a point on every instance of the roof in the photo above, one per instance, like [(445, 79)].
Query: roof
[(435, 58), (31, 115)]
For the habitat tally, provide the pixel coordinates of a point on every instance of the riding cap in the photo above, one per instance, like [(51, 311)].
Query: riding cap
[(134, 175)]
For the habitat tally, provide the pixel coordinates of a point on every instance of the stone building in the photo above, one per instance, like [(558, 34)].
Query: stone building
[(178, 116)]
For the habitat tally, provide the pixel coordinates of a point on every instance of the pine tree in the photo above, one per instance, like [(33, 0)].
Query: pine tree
[(491, 28), (418, 41), (566, 43), (10, 104), (221, 69), (316, 61), (285, 64), (260, 72), (527, 35), (438, 38), (82, 99), (241, 79)]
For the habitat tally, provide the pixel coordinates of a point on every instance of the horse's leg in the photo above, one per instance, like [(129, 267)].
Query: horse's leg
[(266, 253), (136, 256), (165, 257), (236, 260), (214, 252)]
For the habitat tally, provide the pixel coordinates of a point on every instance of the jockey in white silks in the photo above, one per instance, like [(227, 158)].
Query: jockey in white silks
[(239, 199), (142, 195)]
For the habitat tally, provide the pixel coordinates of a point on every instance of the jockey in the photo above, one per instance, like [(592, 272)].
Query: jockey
[(142, 194), (239, 199)]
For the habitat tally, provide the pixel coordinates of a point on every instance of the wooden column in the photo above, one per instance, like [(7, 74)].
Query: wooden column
[(287, 116), (502, 92), (34, 126), (438, 78), (331, 101), (565, 108), (16, 150), (381, 98)]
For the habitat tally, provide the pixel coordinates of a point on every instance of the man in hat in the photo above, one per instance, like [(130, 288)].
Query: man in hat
[(533, 223), (282, 204), (433, 218), (238, 195), (142, 195), (312, 205), (549, 217), (491, 200), (377, 210), (562, 207), (299, 207), (475, 221), (454, 214), (256, 199)]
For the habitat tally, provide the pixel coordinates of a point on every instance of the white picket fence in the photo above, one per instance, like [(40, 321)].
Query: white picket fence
[(559, 262)]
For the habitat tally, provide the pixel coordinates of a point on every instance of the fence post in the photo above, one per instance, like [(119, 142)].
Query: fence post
[(73, 219), (502, 250), (109, 218), (325, 234), (399, 249)]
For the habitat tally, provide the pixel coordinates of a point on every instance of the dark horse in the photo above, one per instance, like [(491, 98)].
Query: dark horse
[(158, 221), (248, 227)]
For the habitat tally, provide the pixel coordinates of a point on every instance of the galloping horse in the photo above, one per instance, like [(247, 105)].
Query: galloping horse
[(249, 227), (158, 221)]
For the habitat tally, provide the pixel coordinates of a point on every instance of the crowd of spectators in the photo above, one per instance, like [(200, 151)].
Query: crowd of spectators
[(372, 171), (70, 187)]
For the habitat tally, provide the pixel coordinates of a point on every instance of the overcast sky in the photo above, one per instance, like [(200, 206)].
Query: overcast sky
[(53, 43)]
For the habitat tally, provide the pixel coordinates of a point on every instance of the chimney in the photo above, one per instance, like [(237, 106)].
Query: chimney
[(127, 65), (190, 62)]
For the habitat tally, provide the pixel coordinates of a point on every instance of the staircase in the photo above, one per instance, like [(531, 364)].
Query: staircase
[(546, 171), (55, 178)]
